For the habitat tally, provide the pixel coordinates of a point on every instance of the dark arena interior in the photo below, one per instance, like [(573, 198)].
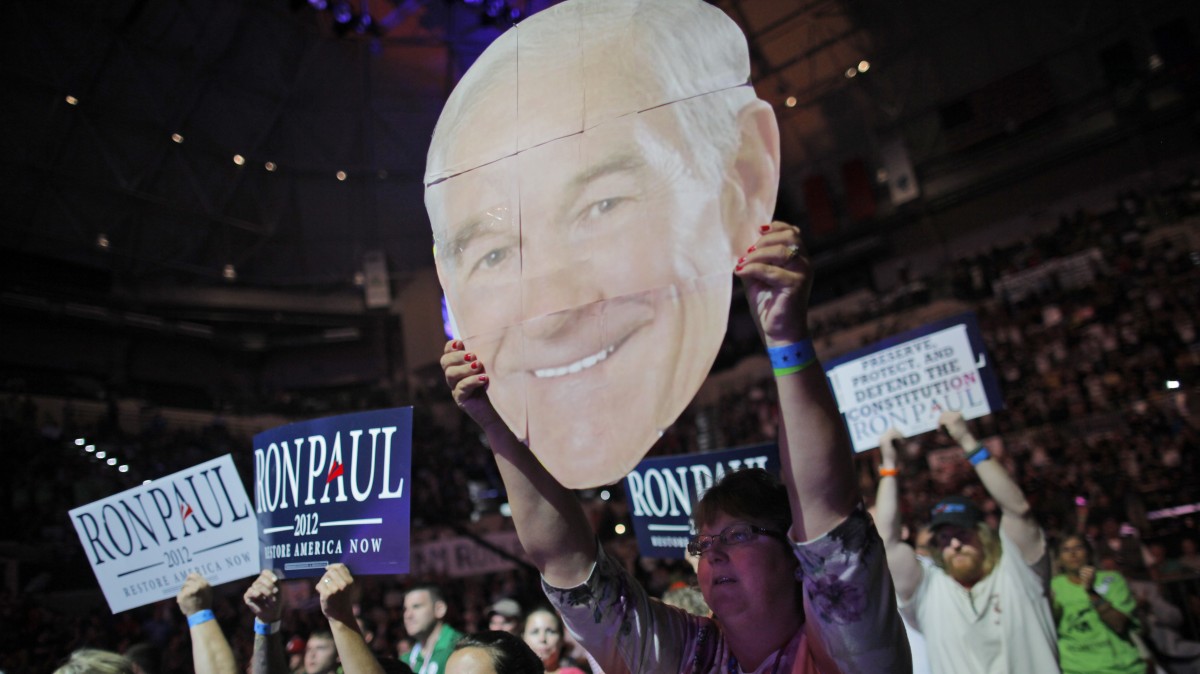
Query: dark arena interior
[(215, 225)]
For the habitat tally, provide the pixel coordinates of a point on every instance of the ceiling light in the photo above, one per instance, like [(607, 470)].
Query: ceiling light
[(239, 159), (124, 468), (89, 449), (341, 175), (80, 442), (102, 241), (851, 72), (790, 102), (864, 66), (112, 461), (620, 529), (229, 273), (270, 166), (177, 138), (71, 100), (101, 455)]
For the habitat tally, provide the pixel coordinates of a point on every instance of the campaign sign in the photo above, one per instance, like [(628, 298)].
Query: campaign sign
[(909, 380), (143, 542), (335, 490), (662, 491)]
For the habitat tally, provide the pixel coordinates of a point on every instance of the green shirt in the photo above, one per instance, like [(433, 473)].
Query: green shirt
[(1085, 643), (435, 662)]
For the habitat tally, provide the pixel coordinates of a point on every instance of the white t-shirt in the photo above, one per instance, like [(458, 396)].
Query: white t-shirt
[(1001, 625)]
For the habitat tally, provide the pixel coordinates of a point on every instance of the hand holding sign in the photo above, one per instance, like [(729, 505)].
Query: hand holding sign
[(887, 447), (778, 278), (263, 598), (956, 428), (336, 601), (468, 381), (195, 595)]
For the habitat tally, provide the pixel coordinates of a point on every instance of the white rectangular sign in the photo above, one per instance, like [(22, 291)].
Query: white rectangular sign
[(143, 542), (908, 383)]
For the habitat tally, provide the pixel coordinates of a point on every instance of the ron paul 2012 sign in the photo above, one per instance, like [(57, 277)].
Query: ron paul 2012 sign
[(335, 490), (143, 542)]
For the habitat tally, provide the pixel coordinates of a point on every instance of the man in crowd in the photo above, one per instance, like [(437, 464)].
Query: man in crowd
[(425, 621), (505, 616), (982, 603)]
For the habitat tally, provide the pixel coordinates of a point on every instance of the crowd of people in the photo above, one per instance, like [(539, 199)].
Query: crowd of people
[(1092, 434)]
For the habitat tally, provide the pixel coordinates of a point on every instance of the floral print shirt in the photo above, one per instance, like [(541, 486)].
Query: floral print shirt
[(851, 626)]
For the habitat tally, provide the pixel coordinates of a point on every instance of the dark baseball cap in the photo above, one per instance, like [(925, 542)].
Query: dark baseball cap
[(957, 510)]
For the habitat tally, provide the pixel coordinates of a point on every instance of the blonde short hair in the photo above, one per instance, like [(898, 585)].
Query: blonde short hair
[(95, 661)]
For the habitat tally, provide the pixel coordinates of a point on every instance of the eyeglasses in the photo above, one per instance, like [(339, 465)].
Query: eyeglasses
[(734, 534)]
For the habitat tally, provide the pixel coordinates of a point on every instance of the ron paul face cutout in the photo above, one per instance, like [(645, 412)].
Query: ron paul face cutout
[(586, 228)]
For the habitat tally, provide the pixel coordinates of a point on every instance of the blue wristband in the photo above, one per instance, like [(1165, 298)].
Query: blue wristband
[(979, 456), (265, 629), (200, 617), (792, 358)]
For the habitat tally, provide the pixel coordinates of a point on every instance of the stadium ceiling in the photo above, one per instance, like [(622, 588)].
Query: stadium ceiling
[(274, 143)]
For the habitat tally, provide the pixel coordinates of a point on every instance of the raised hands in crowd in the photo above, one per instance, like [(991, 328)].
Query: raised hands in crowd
[(762, 545), (211, 653)]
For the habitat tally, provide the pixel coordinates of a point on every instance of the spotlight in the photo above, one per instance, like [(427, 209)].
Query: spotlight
[(177, 138), (101, 455), (620, 529), (124, 468), (112, 462), (229, 273), (80, 442), (864, 66), (270, 166), (341, 175), (239, 159), (90, 448), (71, 100), (790, 102), (1172, 384), (851, 72)]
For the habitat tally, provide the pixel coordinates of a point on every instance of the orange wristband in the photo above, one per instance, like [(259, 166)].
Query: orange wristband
[(888, 472)]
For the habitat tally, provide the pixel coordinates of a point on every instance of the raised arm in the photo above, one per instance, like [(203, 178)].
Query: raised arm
[(550, 521), (211, 653), (815, 452), (902, 560), (355, 654), (265, 603), (1016, 516)]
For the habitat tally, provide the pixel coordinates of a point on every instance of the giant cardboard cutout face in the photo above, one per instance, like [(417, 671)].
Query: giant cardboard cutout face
[(591, 183)]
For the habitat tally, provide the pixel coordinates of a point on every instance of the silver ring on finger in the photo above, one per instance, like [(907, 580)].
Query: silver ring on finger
[(793, 251)]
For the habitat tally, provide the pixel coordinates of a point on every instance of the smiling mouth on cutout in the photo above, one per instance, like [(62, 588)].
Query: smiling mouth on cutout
[(586, 362)]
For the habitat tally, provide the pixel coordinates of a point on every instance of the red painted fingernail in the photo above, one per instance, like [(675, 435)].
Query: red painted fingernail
[(458, 344), (475, 366), (751, 249), (483, 378), (469, 357), (764, 228), (738, 268), (741, 261)]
